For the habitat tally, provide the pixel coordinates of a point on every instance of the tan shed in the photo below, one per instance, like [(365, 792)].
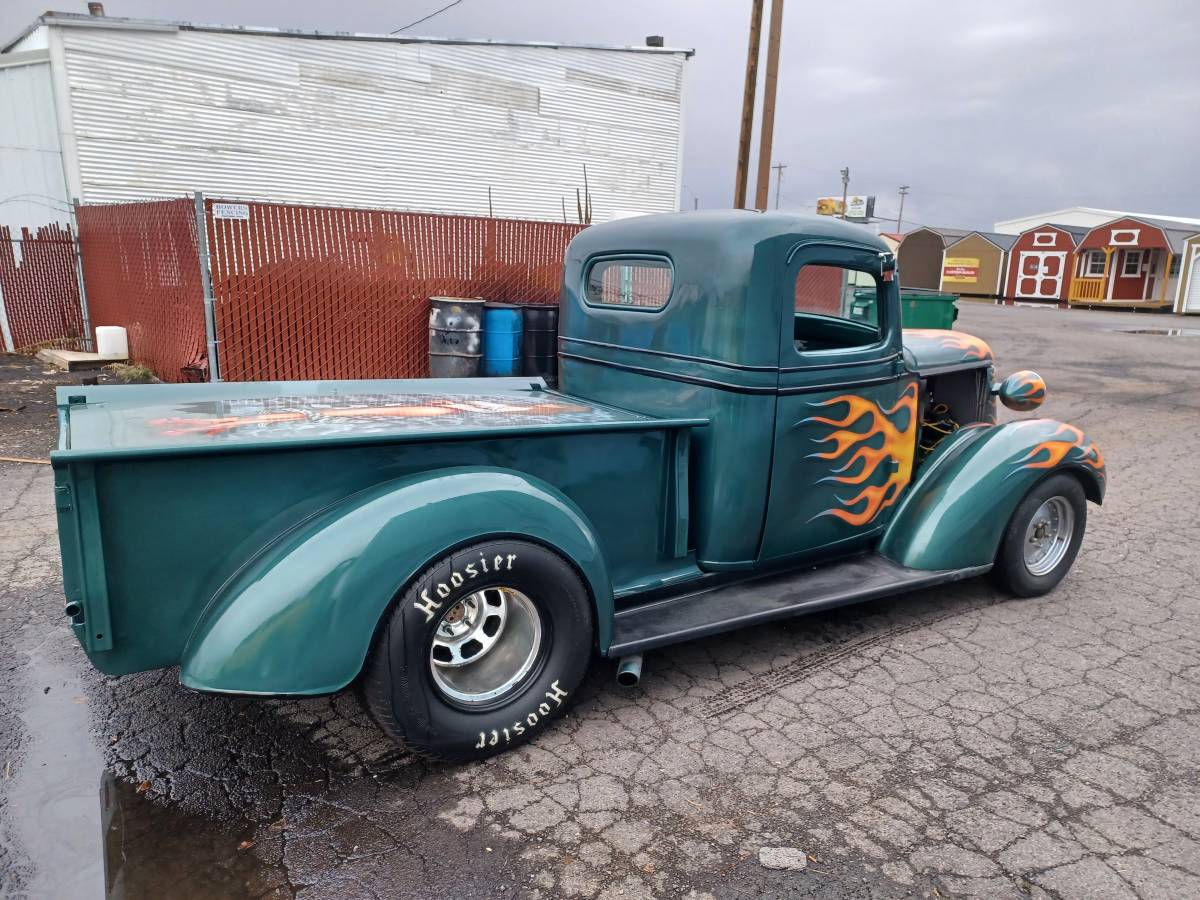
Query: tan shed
[(919, 260), (974, 266)]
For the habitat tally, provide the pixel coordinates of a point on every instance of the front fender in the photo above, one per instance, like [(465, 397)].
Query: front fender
[(955, 514), (299, 618)]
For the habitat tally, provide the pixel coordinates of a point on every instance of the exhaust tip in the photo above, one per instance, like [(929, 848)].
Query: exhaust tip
[(629, 672)]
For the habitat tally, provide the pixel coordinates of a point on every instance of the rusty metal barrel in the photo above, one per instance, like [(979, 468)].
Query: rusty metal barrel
[(455, 336)]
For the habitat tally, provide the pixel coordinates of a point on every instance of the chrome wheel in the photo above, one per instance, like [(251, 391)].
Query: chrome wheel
[(485, 645), (1048, 536)]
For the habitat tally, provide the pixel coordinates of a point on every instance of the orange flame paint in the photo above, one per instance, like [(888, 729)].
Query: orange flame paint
[(861, 465), (970, 346), (175, 426), (1050, 452)]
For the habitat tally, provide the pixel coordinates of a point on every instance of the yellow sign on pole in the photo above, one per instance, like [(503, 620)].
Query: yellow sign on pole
[(961, 269)]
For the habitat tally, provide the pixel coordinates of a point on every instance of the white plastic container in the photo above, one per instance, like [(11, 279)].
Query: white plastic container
[(112, 340)]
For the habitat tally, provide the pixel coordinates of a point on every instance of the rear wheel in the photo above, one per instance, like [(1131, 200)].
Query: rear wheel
[(482, 650), (1042, 537)]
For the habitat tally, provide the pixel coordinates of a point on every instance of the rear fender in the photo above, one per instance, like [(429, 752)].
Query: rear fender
[(954, 515), (300, 617)]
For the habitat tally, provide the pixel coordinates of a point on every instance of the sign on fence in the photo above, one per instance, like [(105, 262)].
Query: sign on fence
[(231, 211)]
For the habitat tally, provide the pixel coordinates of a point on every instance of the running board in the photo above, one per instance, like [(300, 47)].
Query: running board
[(711, 611)]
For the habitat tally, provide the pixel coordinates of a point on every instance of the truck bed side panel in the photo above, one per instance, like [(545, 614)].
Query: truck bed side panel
[(175, 528)]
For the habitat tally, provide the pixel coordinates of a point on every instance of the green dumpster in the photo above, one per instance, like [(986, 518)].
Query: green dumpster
[(918, 308)]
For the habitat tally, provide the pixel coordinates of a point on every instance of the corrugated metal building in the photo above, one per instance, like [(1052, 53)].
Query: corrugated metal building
[(1082, 217), (140, 109)]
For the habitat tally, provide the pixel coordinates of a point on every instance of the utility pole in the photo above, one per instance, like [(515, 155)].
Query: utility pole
[(743, 156), (770, 83), (778, 180), (845, 189), (900, 214)]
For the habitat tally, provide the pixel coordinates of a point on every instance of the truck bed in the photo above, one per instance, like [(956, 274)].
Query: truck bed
[(158, 420)]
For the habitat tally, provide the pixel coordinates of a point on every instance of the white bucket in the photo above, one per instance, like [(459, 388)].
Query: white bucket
[(112, 340)]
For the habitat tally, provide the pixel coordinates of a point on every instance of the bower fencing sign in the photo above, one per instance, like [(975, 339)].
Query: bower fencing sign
[(237, 211)]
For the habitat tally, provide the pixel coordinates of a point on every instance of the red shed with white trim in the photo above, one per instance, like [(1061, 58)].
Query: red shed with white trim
[(1040, 264), (1131, 261)]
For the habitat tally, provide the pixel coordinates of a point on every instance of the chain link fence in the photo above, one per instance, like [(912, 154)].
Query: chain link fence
[(306, 292), (39, 289), (141, 270), (301, 292)]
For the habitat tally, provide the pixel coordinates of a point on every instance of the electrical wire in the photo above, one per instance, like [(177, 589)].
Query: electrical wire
[(436, 12)]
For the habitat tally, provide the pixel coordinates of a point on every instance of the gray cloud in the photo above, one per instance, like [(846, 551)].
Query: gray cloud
[(988, 111)]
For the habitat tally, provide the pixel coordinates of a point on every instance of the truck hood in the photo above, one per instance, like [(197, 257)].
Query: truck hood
[(928, 349)]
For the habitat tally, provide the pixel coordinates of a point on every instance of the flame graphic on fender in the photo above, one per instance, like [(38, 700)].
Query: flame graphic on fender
[(970, 346), (1063, 441), (857, 467)]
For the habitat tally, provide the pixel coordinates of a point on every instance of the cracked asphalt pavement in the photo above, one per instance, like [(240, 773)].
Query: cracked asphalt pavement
[(949, 742)]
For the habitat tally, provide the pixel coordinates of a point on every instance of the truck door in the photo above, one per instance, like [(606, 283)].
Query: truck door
[(846, 420)]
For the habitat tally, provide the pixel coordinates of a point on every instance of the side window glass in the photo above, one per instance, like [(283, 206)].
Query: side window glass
[(836, 308), (640, 283)]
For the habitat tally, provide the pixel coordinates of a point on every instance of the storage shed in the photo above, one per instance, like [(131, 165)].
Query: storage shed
[(975, 265), (134, 109), (919, 259), (1130, 262), (1188, 299), (1040, 264)]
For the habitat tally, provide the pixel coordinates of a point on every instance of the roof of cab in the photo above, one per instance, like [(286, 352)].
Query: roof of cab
[(740, 225)]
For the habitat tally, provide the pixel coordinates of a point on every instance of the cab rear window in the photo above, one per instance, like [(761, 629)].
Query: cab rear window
[(631, 283)]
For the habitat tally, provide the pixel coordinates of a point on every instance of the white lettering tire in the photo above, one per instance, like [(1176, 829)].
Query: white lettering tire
[(481, 651)]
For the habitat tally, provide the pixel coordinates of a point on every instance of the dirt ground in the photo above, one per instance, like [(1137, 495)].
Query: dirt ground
[(949, 742)]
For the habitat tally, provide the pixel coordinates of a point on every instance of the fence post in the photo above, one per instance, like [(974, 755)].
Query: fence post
[(210, 302), (6, 340), (83, 304)]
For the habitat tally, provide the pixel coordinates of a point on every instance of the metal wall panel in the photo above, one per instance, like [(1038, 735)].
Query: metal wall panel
[(372, 123), (32, 189)]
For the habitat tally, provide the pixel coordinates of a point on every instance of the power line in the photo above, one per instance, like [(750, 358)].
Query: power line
[(436, 12)]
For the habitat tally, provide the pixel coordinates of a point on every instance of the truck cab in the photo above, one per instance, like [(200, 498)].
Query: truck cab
[(743, 319)]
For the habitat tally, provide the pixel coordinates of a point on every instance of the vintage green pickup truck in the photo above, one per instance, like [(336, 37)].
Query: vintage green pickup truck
[(728, 447)]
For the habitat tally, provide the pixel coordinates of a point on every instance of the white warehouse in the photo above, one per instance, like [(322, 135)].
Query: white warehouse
[(109, 109)]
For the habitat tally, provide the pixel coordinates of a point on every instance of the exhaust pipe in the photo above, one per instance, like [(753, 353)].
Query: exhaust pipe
[(629, 672)]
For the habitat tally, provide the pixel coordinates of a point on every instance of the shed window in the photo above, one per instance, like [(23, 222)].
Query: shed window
[(1176, 261), (1133, 264), (1095, 263), (634, 283)]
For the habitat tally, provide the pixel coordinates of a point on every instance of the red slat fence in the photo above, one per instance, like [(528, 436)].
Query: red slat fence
[(306, 292), (39, 287), (302, 292), (141, 270)]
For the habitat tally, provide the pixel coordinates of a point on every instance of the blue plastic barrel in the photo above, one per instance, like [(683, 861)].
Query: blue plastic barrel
[(503, 330)]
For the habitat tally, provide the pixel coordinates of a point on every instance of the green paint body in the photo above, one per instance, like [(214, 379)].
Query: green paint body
[(256, 534)]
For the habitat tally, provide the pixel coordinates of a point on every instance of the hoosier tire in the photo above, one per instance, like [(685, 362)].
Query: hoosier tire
[(481, 651), (1042, 538)]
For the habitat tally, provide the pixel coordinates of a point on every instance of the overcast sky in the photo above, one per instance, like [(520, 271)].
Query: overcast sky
[(987, 110)]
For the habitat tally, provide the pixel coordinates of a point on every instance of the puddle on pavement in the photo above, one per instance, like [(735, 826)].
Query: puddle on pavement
[(52, 802), (152, 850), (1166, 332)]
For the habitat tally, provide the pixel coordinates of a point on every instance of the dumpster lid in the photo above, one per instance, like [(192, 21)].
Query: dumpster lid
[(168, 419)]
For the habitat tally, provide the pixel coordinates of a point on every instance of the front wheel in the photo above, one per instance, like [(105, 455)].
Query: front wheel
[(1042, 537), (482, 650)]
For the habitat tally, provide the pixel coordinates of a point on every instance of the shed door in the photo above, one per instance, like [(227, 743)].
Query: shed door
[(1191, 300), (1039, 273)]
